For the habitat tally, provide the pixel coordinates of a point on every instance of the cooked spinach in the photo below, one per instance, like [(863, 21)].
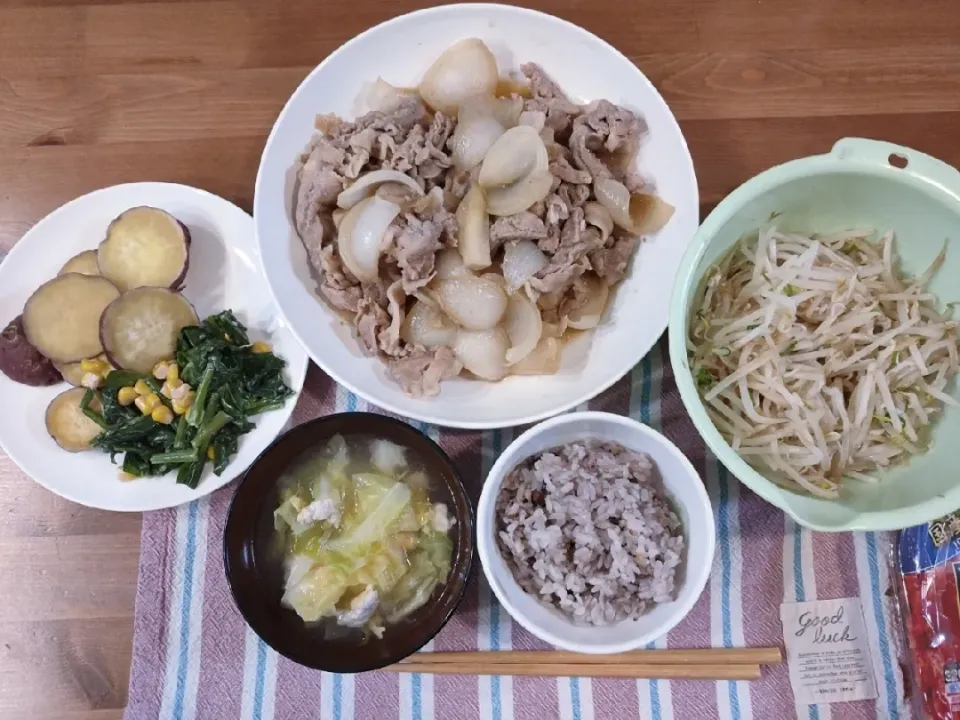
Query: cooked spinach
[(232, 382)]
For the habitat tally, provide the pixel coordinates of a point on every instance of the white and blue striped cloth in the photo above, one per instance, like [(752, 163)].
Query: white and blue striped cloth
[(195, 658)]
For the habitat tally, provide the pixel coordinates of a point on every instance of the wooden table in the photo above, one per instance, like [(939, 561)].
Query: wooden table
[(94, 93)]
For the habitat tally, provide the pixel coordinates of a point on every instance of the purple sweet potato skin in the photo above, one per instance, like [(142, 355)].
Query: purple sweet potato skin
[(181, 281), (22, 362)]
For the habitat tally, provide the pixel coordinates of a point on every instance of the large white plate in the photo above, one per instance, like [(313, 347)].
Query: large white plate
[(224, 274), (400, 51)]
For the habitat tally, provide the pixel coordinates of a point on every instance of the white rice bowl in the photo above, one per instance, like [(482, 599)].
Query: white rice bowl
[(670, 593), (587, 528)]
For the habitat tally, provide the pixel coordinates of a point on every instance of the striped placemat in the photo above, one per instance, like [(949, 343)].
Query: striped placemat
[(195, 658)]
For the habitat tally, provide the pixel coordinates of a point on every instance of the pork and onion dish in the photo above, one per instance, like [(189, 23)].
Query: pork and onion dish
[(474, 223)]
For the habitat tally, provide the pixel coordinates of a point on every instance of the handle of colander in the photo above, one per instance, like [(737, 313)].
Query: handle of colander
[(887, 154)]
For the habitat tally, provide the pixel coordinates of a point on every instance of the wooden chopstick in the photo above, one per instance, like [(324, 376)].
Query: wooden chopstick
[(733, 671), (705, 656)]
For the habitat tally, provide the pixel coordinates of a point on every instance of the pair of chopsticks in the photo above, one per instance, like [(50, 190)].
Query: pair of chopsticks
[(706, 664)]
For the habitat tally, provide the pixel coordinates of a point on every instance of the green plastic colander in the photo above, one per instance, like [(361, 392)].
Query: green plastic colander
[(858, 183)]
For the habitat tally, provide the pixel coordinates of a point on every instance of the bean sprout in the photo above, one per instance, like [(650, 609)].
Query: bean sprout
[(818, 360)]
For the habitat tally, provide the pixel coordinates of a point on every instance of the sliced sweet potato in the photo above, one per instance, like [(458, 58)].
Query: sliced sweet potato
[(145, 247), (62, 318), (70, 372), (73, 373), (22, 362), (84, 263), (140, 328), (67, 424)]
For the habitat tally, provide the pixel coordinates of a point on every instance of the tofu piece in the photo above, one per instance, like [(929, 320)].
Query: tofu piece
[(442, 520), (325, 509)]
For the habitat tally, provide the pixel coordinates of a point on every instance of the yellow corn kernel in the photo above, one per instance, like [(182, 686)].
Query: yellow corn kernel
[(147, 403), (160, 370), (173, 374), (126, 395), (94, 366), (142, 388), (260, 347), (181, 406), (180, 392), (162, 414), (210, 453), (125, 476), (172, 388)]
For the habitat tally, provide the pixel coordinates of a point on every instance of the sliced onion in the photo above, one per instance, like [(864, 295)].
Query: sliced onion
[(428, 297), (360, 238), (449, 264), (523, 325), (472, 302), (650, 212), (544, 360), (589, 315), (474, 242), (516, 154), (522, 260), (367, 184), (402, 195), (473, 138), (597, 215), (555, 330), (480, 123), (506, 110), (430, 203), (337, 217), (465, 70), (495, 278), (380, 95), (533, 118), (521, 195), (483, 352), (639, 213), (615, 197), (508, 87), (427, 326)]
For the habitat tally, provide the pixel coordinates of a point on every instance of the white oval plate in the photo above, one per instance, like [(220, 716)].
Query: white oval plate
[(400, 51), (224, 274)]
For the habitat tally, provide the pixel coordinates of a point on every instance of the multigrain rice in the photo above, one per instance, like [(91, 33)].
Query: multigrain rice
[(588, 529)]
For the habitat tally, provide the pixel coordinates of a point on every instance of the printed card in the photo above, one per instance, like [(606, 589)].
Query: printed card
[(828, 652)]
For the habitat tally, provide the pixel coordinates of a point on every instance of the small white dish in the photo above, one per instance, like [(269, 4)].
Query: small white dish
[(224, 274), (400, 51), (684, 488)]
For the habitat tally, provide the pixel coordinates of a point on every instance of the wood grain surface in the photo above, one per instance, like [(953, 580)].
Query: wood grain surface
[(94, 93)]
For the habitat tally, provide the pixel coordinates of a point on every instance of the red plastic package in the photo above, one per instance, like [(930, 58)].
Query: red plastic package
[(928, 560)]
